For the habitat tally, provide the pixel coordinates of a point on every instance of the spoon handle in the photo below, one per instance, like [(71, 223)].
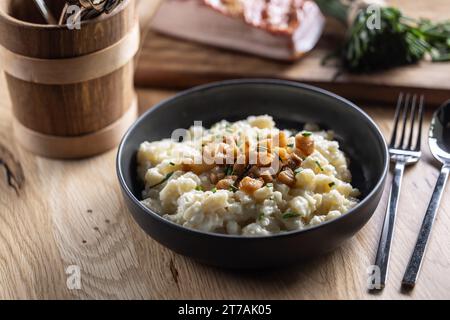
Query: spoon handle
[(415, 262)]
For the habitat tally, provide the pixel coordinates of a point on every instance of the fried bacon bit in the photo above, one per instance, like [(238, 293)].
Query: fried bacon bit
[(264, 159), (215, 177), (282, 154), (266, 176), (239, 168), (295, 158), (249, 185), (280, 139), (226, 183), (225, 153), (265, 145), (246, 150), (287, 176), (304, 144), (253, 172), (189, 165), (260, 172)]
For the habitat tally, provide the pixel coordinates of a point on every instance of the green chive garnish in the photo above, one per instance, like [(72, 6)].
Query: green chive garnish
[(199, 188), (289, 215), (214, 190), (331, 184), (306, 134), (318, 164), (262, 148), (229, 170), (163, 180)]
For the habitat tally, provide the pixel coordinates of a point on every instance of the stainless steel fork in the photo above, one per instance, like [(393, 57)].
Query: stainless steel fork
[(403, 151)]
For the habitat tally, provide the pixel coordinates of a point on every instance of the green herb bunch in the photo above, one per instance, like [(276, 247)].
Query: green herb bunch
[(398, 40)]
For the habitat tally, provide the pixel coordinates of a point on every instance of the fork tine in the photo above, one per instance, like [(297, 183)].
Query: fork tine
[(405, 117), (413, 119), (419, 134), (396, 117)]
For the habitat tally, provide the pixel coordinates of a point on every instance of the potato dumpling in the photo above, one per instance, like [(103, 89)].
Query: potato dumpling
[(247, 178)]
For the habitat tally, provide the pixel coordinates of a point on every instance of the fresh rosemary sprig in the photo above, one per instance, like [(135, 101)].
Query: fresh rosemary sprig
[(398, 40)]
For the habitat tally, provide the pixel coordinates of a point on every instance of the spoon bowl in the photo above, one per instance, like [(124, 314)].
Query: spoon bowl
[(439, 136)]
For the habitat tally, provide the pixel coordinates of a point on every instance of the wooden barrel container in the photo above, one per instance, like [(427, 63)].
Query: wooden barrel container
[(72, 90)]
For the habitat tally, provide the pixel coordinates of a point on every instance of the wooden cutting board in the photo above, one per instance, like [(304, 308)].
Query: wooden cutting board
[(173, 63)]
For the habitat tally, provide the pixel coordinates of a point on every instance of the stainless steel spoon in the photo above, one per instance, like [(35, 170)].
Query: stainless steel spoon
[(439, 142)]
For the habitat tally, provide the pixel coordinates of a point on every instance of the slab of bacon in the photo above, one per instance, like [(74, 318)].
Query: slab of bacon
[(278, 29)]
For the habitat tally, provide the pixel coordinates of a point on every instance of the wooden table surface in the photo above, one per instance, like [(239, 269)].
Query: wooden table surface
[(71, 213)]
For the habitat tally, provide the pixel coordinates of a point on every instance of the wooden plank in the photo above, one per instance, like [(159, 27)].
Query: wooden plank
[(71, 213), (171, 63)]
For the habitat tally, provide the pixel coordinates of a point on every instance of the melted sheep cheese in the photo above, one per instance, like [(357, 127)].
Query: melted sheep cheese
[(247, 178)]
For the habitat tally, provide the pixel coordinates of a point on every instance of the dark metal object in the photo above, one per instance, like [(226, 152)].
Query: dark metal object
[(90, 9)]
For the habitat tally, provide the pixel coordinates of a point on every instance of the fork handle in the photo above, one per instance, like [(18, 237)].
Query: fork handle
[(415, 262), (384, 246)]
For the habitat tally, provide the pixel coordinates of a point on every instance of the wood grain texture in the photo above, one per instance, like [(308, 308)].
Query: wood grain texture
[(71, 213), (67, 109), (168, 63), (22, 31)]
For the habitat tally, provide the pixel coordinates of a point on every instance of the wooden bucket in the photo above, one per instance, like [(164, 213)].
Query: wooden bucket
[(72, 90)]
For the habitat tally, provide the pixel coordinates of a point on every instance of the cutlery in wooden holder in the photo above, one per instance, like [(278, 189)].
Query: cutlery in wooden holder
[(72, 90)]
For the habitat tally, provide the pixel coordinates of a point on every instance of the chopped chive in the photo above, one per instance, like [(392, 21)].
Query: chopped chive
[(331, 184), (261, 216), (171, 163), (306, 134), (269, 185), (290, 145), (214, 190), (199, 188), (167, 177), (298, 170), (318, 164), (262, 148), (289, 215), (229, 170)]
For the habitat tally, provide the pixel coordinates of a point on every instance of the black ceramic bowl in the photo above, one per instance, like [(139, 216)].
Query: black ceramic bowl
[(291, 105)]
